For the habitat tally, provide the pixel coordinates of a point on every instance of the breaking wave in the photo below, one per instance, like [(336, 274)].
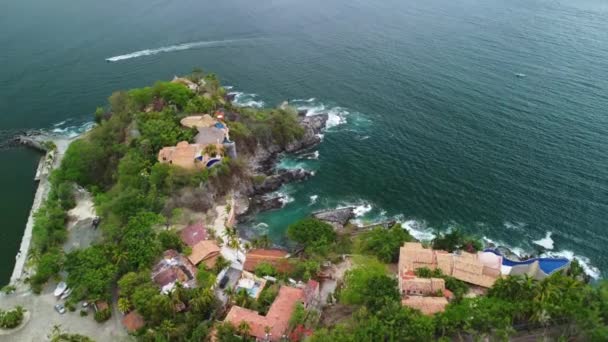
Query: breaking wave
[(246, 100), (70, 130), (172, 48), (546, 242), (313, 199)]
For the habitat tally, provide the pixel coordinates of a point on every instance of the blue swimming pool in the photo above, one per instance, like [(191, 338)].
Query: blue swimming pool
[(547, 265)]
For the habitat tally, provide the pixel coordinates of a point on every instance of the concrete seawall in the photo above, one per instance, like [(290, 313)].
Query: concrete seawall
[(47, 163)]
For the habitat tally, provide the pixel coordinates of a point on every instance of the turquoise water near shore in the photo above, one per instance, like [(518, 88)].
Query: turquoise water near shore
[(430, 123)]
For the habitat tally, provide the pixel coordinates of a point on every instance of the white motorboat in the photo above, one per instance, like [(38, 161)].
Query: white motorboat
[(61, 287)]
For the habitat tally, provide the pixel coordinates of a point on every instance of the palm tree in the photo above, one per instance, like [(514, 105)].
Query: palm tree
[(230, 292), (124, 305), (244, 329), (233, 240)]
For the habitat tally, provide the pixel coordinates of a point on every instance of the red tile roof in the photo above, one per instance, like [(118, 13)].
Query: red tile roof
[(166, 276), (275, 257), (194, 234), (133, 321), (277, 318)]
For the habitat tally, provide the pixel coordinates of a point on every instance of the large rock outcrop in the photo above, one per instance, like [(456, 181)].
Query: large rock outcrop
[(274, 182)]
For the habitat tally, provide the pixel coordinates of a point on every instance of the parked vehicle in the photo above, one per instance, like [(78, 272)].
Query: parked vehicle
[(224, 281), (60, 308), (61, 287), (66, 294)]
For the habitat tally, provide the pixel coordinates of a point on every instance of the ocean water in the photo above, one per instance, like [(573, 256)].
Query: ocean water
[(431, 122)]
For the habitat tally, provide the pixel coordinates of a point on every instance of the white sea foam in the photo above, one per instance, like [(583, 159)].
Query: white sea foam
[(335, 117), (246, 100), (314, 155), (418, 230), (545, 242), (313, 199), (172, 48), (517, 226), (362, 209), (285, 198), (61, 129)]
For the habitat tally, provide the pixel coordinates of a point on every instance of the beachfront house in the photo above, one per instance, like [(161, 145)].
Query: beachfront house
[(172, 268), (274, 326), (211, 144), (473, 268)]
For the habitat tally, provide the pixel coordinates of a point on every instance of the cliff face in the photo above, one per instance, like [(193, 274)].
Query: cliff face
[(264, 158), (255, 198)]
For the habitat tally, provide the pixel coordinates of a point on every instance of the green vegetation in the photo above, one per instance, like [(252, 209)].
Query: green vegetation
[(382, 243), (368, 284), (458, 287), (265, 269), (12, 318), (316, 235), (456, 240)]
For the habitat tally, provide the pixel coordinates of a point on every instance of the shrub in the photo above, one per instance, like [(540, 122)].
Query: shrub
[(383, 243), (265, 269), (84, 313), (11, 319), (103, 315), (456, 240)]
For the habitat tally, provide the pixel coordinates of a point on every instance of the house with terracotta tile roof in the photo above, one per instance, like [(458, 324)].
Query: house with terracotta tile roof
[(275, 257), (472, 268), (426, 305), (133, 321), (189, 156), (172, 268), (276, 321), (205, 251), (194, 234)]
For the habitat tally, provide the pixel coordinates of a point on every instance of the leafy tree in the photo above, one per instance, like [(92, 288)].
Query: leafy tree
[(383, 243), (205, 278), (161, 129), (90, 273), (139, 241), (368, 285), (456, 240), (169, 239), (175, 93), (82, 163), (315, 234), (65, 195), (265, 269)]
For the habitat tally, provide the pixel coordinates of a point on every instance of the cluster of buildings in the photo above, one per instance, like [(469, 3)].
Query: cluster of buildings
[(211, 143), (274, 326), (481, 269)]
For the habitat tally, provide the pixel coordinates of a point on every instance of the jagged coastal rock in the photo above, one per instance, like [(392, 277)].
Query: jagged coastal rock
[(274, 182), (336, 217), (313, 125)]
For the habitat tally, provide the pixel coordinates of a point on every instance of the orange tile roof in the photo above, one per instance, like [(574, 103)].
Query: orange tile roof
[(275, 257), (183, 155), (203, 250), (277, 318), (427, 305), (133, 321), (464, 266)]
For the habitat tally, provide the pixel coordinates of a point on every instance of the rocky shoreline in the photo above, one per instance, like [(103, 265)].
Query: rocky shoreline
[(258, 197)]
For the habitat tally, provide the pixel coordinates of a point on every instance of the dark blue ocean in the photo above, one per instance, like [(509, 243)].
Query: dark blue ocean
[(491, 116)]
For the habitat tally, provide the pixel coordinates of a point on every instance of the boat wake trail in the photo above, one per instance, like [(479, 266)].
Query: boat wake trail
[(178, 47)]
